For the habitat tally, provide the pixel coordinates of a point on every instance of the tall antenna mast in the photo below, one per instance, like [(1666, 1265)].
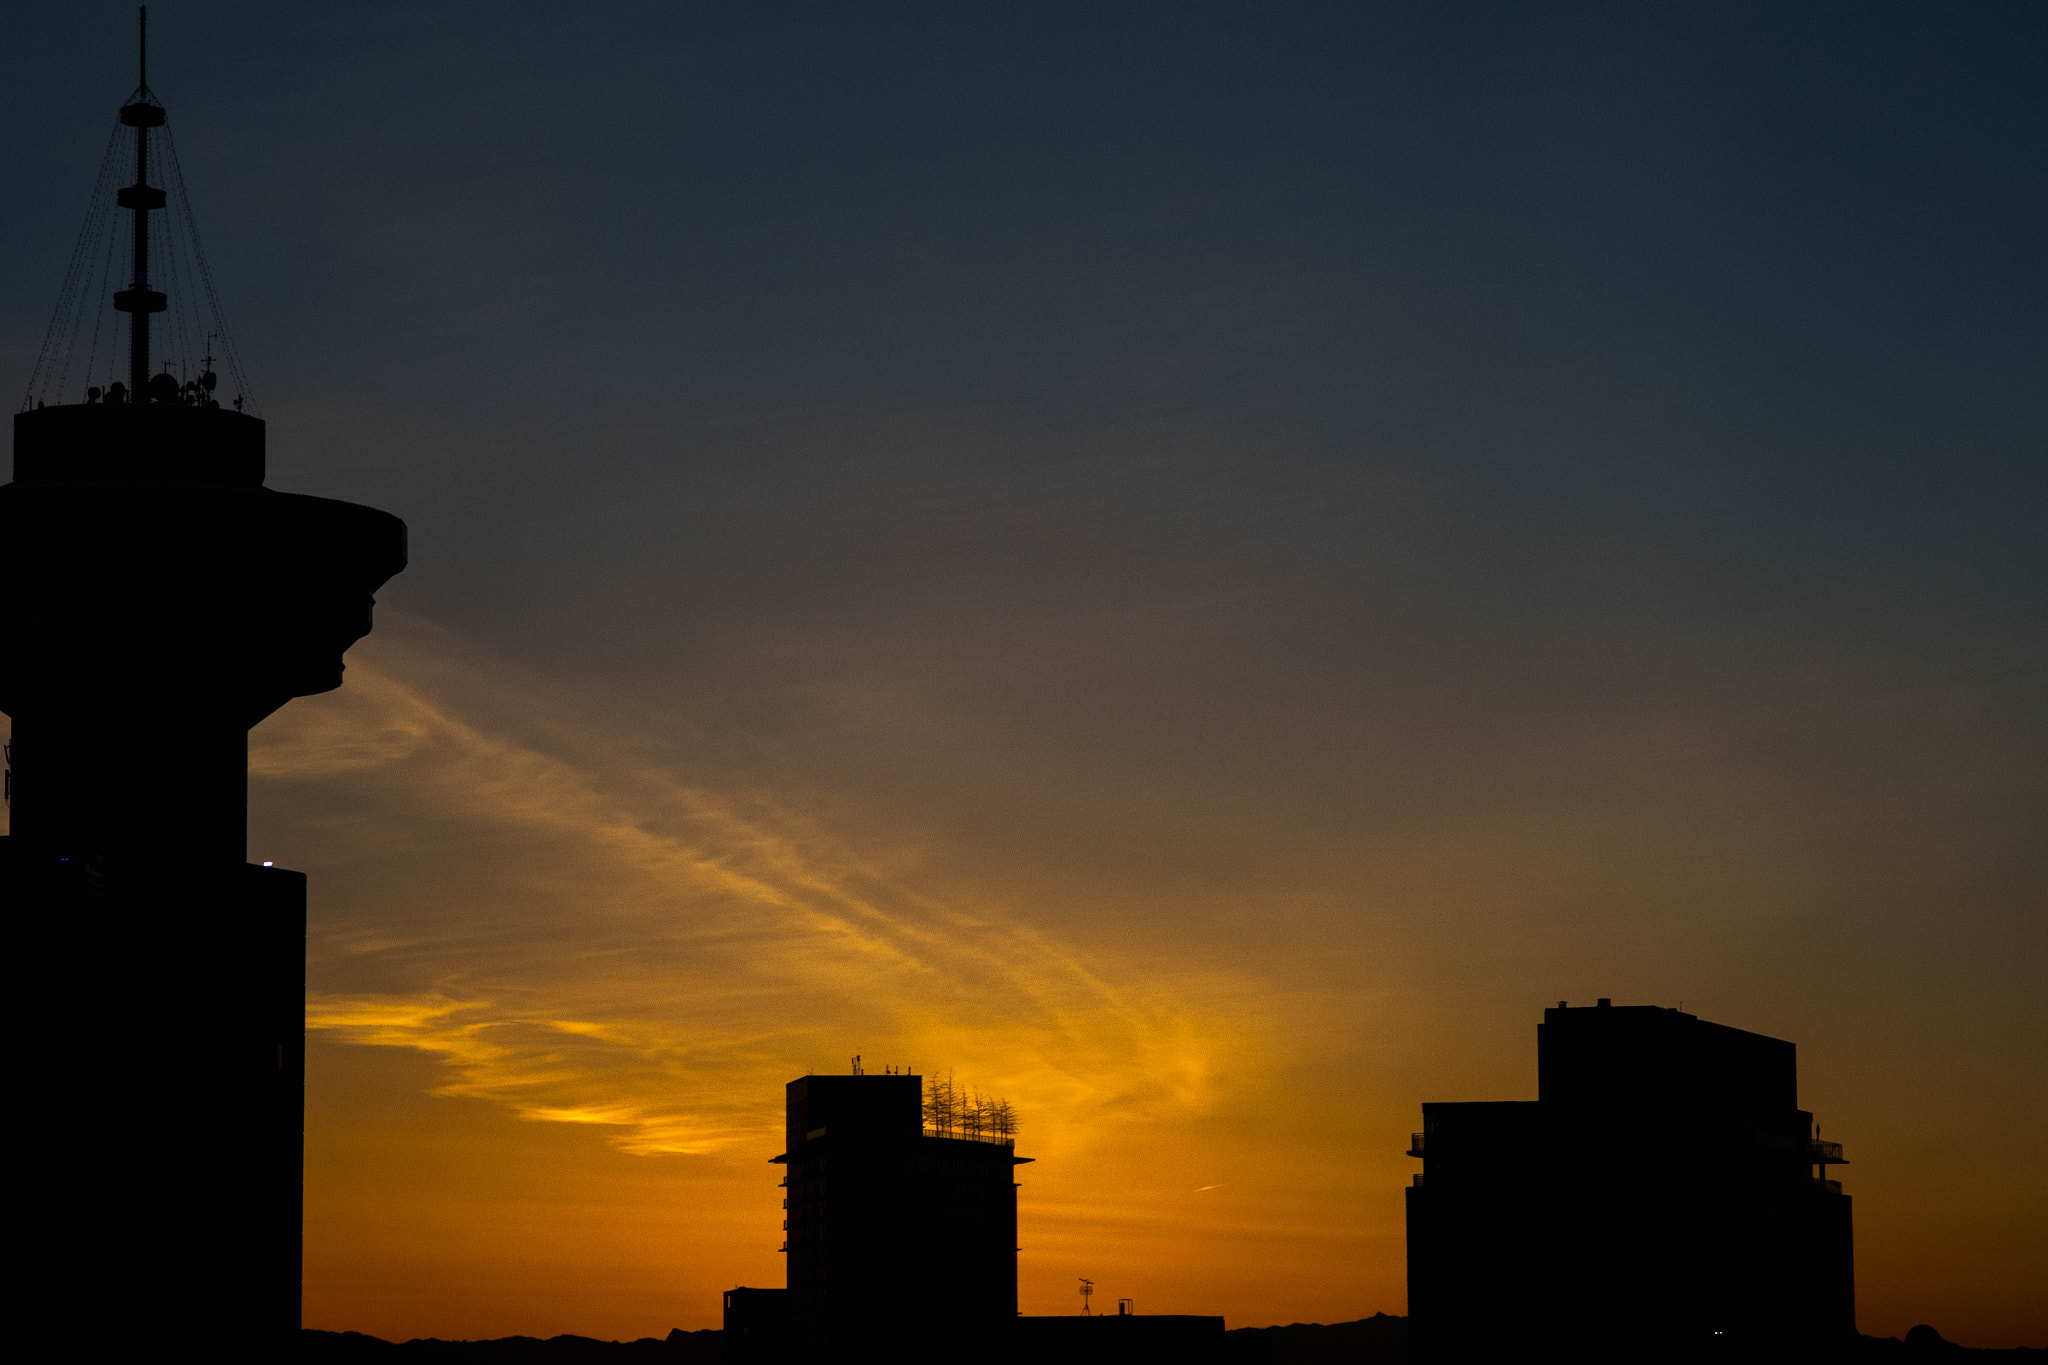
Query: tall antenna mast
[(138, 300)]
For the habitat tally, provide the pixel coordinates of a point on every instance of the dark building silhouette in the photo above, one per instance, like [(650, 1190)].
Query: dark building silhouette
[(159, 601), (901, 1232), (888, 1221), (1664, 1198), (756, 1323)]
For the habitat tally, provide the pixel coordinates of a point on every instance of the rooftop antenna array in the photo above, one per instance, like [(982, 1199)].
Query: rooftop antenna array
[(164, 252)]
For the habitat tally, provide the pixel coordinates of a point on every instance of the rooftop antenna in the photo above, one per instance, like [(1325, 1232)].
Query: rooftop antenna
[(1087, 1288), (138, 300)]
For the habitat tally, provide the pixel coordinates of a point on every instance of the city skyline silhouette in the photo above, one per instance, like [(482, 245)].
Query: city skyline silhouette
[(1196, 567)]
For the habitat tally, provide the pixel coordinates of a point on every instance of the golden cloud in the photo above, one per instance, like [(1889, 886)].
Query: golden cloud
[(584, 936)]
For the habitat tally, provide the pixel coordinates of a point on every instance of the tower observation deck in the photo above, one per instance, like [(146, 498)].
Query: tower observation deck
[(159, 601)]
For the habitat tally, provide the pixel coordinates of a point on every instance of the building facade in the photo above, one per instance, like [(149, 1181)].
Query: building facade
[(1663, 1198)]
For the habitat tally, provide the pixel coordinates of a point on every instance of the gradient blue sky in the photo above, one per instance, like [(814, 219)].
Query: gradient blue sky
[(1195, 563)]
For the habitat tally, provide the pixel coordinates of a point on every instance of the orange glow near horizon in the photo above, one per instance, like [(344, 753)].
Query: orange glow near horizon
[(557, 987)]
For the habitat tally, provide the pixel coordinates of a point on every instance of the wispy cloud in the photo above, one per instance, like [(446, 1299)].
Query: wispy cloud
[(585, 936)]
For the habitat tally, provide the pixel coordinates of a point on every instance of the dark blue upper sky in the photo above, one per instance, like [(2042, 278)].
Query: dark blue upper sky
[(1489, 362)]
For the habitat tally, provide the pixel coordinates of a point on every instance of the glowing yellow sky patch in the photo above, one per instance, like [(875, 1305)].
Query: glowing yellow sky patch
[(672, 932)]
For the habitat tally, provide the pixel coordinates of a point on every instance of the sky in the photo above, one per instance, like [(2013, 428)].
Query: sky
[(1192, 566)]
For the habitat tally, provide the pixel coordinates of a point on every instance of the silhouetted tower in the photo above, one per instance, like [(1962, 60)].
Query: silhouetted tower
[(159, 601), (1663, 1199)]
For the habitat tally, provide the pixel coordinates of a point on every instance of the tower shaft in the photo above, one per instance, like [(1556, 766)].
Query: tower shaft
[(160, 603)]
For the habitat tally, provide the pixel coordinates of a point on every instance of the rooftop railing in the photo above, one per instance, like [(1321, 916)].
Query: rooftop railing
[(961, 1135)]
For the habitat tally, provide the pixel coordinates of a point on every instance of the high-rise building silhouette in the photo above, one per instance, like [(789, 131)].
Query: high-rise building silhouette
[(159, 601), (890, 1218), (1664, 1198)]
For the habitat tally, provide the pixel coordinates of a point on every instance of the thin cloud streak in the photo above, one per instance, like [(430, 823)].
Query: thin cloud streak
[(630, 950)]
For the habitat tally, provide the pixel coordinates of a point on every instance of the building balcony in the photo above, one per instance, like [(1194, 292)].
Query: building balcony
[(1825, 1153), (1828, 1186), (1415, 1144)]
